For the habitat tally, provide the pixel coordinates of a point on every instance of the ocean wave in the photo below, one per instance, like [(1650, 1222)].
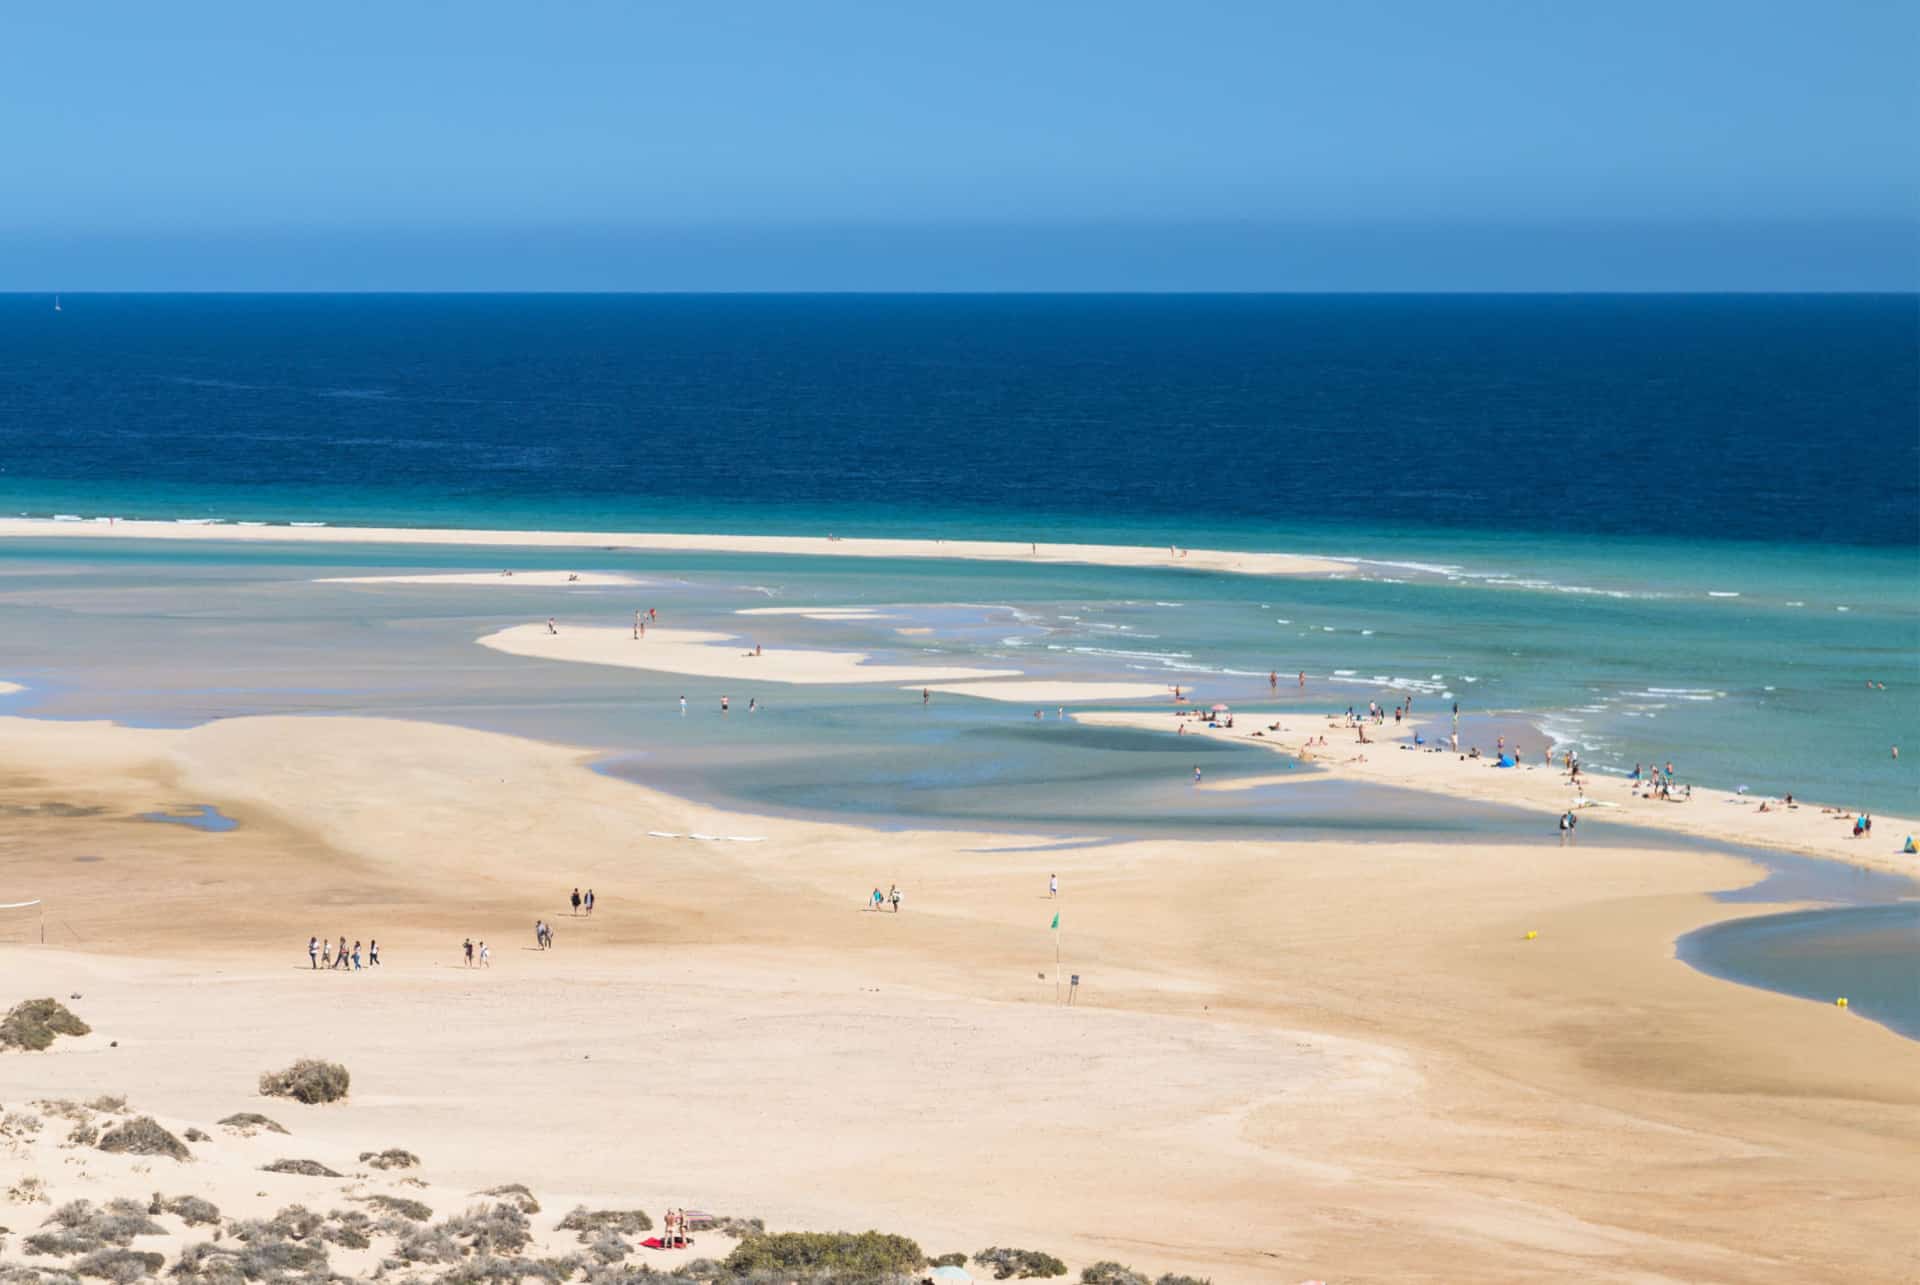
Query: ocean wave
[(1721, 593)]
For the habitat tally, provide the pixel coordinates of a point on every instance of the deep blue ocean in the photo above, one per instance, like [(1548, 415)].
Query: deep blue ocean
[(1254, 421)]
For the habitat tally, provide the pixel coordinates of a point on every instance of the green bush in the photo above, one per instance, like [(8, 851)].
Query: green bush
[(143, 1136), (1023, 1263), (309, 1080), (32, 1024), (948, 1260), (855, 1258), (249, 1123), (1172, 1278)]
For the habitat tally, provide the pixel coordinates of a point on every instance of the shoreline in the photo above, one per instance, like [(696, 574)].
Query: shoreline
[(1107, 555), (1320, 1034)]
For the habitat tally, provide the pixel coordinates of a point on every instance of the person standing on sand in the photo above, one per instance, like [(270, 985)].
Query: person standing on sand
[(486, 956), (1053, 885), (326, 954), (373, 953), (893, 895), (356, 957), (340, 955), (550, 628), (313, 952), (467, 947), (576, 903), (589, 902)]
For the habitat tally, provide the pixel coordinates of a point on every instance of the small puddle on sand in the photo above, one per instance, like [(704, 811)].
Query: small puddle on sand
[(201, 816)]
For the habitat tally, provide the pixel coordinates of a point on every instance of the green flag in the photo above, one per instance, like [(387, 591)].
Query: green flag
[(1056, 919)]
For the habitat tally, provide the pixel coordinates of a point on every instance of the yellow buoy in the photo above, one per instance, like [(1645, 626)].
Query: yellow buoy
[(1842, 1001), (1532, 935)]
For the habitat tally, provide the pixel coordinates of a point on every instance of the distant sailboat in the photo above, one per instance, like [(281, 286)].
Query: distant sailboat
[(56, 303)]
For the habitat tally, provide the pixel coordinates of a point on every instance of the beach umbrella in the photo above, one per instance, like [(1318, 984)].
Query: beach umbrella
[(1219, 709)]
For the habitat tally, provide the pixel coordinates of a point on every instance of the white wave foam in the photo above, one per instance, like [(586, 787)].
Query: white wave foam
[(1721, 593)]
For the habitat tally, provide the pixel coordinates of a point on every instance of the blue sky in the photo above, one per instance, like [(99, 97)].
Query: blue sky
[(832, 145)]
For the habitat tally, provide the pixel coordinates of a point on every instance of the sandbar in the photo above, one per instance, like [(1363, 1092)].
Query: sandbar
[(703, 654), (1048, 691), (510, 580), (1111, 555), (1390, 758)]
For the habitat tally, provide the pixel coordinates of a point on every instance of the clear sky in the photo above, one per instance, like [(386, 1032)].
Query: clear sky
[(1438, 144)]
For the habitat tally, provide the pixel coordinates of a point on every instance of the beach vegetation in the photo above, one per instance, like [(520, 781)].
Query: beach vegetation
[(1112, 1273), (32, 1024), (591, 1222), (197, 1135), (1173, 1278), (309, 1080), (81, 1227), (412, 1210), (19, 1124), (191, 1210), (855, 1258), (1024, 1264), (515, 1194), (391, 1158), (250, 1123), (610, 1247), (110, 1103), (349, 1229), (83, 1134), (306, 1168), (123, 1266), (143, 1136), (948, 1260), (738, 1228)]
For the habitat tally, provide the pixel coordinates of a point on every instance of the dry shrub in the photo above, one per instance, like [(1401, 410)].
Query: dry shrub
[(32, 1024), (391, 1158), (1025, 1264), (1112, 1273), (591, 1222), (411, 1210), (309, 1080), (143, 1136), (515, 1194), (191, 1210), (111, 1103), (250, 1123), (122, 1266), (855, 1258), (306, 1168)]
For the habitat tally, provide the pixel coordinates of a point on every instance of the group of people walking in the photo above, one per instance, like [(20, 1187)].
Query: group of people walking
[(323, 954), (484, 958), (880, 901)]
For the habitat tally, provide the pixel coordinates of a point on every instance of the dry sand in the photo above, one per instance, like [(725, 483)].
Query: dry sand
[(702, 654), (1295, 1060), (1111, 555)]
